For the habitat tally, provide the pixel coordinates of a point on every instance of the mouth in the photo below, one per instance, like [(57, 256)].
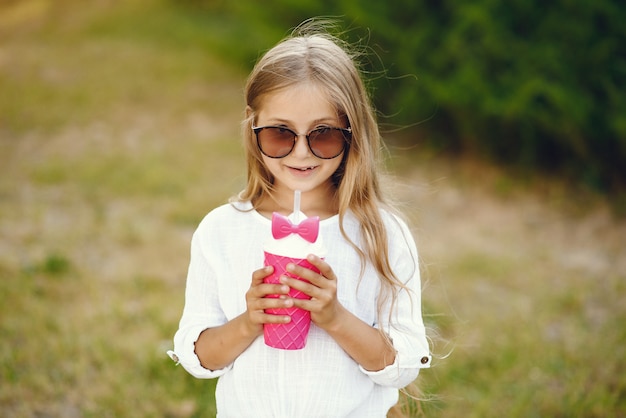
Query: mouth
[(303, 169)]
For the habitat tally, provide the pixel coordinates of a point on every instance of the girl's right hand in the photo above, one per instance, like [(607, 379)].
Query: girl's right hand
[(219, 346), (257, 302)]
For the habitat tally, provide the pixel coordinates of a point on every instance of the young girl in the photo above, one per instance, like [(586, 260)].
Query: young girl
[(309, 126)]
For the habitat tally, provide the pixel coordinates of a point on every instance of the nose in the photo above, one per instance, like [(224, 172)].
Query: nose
[(301, 148)]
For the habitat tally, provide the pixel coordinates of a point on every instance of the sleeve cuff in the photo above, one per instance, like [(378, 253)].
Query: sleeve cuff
[(400, 373), (184, 354)]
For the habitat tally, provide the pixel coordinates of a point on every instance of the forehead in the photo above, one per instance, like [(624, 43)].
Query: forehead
[(299, 103)]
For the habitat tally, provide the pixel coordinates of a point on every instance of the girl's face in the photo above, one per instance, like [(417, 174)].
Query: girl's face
[(300, 108)]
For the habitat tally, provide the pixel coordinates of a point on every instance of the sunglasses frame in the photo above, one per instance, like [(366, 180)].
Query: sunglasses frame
[(347, 134)]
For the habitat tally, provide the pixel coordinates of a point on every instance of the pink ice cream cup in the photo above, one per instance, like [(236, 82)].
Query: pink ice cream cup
[(290, 247), (292, 335)]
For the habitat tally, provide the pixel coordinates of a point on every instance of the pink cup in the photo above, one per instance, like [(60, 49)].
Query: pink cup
[(292, 335)]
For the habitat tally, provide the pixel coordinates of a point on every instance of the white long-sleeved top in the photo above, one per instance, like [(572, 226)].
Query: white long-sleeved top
[(320, 380)]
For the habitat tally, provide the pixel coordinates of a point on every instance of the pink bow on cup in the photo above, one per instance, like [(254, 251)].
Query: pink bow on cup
[(307, 229)]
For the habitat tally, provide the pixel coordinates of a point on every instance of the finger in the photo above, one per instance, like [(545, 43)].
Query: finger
[(306, 287), (259, 289), (320, 279), (313, 305), (268, 290), (260, 274), (273, 303), (273, 290), (274, 319), (303, 272), (306, 304), (263, 288), (324, 268)]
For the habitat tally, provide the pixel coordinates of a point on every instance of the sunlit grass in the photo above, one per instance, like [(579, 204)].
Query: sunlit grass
[(111, 146)]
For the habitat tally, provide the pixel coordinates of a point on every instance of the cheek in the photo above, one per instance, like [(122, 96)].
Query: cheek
[(339, 163), (338, 172), (336, 166), (271, 165)]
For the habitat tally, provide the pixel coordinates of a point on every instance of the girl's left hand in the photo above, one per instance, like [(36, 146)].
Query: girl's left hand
[(362, 342), (324, 306)]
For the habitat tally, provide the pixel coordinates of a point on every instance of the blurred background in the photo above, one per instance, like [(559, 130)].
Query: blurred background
[(505, 125)]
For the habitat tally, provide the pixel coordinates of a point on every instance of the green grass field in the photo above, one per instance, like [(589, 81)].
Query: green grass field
[(119, 130)]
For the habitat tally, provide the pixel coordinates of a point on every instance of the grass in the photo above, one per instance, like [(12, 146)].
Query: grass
[(119, 130)]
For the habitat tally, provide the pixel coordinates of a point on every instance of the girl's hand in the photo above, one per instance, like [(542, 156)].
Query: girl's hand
[(361, 341), (220, 346), (324, 306), (257, 302)]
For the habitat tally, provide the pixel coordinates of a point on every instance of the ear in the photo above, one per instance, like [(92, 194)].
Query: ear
[(249, 112)]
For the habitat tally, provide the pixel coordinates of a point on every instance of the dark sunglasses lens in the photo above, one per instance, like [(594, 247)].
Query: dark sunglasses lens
[(327, 142), (275, 142)]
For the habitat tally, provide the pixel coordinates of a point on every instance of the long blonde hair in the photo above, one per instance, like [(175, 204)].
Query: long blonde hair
[(312, 55)]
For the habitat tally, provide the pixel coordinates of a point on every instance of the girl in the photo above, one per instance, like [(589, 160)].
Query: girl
[(309, 126)]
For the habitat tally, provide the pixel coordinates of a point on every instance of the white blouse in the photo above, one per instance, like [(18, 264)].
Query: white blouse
[(320, 380)]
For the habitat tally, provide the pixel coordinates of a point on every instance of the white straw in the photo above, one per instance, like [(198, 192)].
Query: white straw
[(296, 206)]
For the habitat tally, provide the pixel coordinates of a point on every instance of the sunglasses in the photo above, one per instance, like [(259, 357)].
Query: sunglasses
[(326, 142)]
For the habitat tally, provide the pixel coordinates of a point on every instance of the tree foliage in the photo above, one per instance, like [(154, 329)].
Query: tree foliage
[(525, 82)]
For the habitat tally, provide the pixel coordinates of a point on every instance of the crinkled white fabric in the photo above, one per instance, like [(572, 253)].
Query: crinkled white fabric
[(320, 380)]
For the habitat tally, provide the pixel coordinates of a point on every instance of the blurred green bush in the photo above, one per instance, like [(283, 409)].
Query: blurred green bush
[(529, 83)]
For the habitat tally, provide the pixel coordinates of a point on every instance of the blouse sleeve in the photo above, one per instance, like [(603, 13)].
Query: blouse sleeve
[(202, 308), (405, 325)]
